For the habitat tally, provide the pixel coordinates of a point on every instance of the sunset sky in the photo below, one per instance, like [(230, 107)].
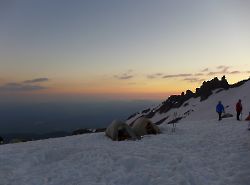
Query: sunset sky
[(120, 49)]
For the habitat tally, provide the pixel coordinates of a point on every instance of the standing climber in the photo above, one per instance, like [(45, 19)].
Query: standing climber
[(238, 109), (220, 109)]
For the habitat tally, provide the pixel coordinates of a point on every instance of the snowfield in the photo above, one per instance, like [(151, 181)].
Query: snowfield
[(205, 152), (202, 151)]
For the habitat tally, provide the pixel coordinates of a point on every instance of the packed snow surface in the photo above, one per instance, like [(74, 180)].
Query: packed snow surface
[(205, 152)]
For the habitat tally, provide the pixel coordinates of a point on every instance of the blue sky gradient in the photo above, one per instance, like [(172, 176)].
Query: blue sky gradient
[(112, 47)]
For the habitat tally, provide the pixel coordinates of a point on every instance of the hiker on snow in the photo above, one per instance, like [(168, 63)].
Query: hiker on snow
[(239, 109), (220, 109)]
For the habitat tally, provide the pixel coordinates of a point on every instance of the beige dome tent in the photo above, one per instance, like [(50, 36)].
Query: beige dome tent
[(119, 131), (144, 126)]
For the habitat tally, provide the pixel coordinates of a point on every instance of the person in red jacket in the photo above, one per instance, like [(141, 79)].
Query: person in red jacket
[(238, 109)]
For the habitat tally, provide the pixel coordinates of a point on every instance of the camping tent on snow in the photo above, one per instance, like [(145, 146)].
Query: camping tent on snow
[(144, 126), (119, 131)]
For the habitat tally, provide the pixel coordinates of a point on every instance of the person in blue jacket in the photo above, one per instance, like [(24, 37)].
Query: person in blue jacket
[(220, 109)]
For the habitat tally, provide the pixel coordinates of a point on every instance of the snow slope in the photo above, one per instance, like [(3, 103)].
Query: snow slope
[(197, 110), (199, 152), (202, 151)]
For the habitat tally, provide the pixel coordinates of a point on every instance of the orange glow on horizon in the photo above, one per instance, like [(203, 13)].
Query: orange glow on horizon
[(119, 89)]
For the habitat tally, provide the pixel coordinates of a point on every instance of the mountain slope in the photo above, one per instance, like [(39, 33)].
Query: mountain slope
[(199, 152), (195, 109)]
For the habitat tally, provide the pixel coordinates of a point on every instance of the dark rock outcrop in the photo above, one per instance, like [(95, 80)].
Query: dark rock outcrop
[(1, 140), (175, 120), (81, 131), (24, 137), (207, 87), (161, 121), (239, 83), (175, 101), (87, 131), (146, 111), (150, 114), (133, 115), (100, 130), (203, 92), (227, 115)]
